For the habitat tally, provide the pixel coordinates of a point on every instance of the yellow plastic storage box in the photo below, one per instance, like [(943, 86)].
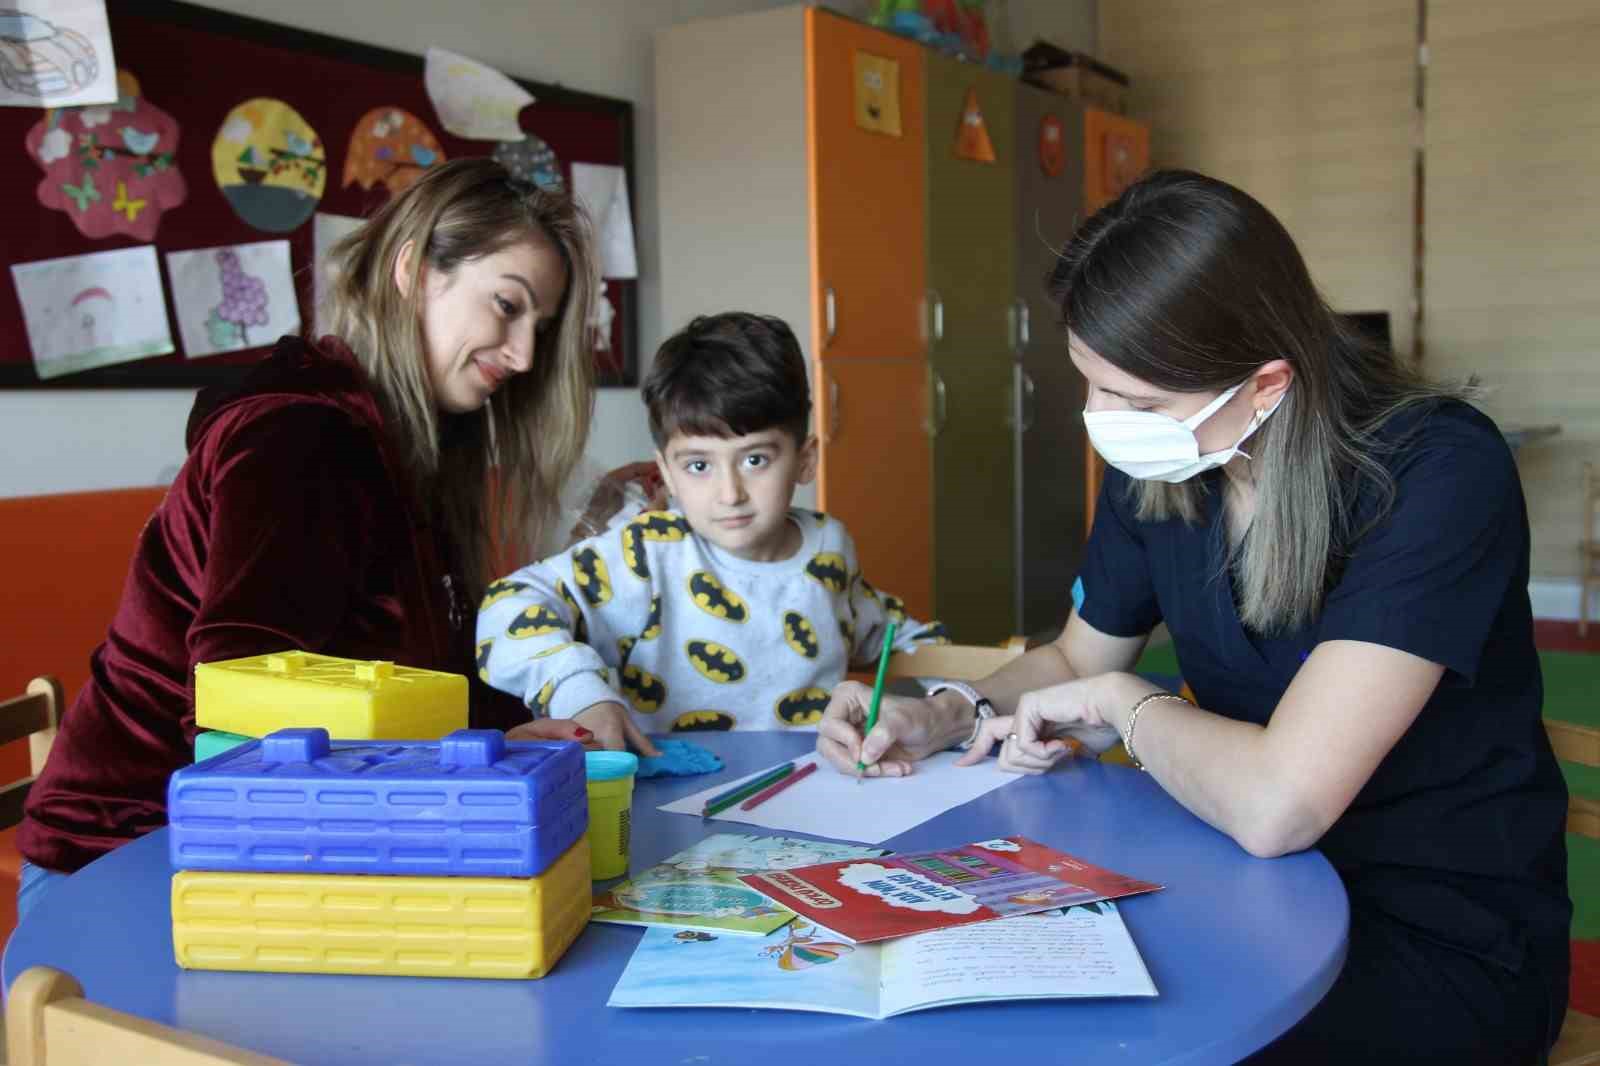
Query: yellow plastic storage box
[(399, 926), (350, 698)]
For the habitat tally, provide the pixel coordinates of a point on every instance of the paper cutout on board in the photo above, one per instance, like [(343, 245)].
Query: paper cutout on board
[(530, 160), (1120, 162), (877, 92), (56, 53), (270, 164), (84, 311), (112, 168), (326, 231), (389, 147), (603, 192), (234, 297), (473, 100), (1052, 146), (972, 134)]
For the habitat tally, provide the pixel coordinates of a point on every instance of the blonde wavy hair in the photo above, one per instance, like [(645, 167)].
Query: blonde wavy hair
[(491, 477)]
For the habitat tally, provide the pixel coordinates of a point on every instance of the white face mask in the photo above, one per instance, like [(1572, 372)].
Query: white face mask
[(1151, 446)]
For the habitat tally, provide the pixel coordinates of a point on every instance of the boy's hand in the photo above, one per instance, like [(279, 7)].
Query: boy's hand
[(614, 729), (553, 729)]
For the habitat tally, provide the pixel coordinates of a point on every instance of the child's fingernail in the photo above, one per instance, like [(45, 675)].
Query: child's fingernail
[(583, 734)]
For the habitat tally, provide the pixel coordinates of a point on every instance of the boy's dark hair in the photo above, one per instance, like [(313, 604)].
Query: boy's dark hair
[(728, 375)]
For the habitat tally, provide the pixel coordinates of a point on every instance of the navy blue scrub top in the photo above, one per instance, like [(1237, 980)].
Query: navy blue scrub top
[(1459, 832)]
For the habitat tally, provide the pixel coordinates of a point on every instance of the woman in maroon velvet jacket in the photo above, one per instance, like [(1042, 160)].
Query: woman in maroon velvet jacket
[(339, 501)]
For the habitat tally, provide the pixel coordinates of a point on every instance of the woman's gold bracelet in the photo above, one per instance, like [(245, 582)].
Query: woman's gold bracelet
[(1133, 720)]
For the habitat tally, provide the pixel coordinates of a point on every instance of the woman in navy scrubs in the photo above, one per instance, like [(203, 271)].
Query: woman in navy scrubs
[(1340, 551)]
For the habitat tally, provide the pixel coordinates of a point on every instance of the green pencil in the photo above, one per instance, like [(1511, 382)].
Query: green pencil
[(877, 690)]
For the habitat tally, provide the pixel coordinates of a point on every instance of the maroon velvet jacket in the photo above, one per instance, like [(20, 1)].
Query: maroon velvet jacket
[(291, 525)]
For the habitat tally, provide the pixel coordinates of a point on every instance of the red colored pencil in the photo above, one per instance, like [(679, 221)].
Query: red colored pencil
[(772, 790)]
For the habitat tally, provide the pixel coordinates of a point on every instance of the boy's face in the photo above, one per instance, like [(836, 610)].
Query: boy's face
[(735, 491)]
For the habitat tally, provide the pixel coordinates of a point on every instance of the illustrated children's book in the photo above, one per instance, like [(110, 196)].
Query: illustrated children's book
[(1084, 951), (699, 888), (897, 895)]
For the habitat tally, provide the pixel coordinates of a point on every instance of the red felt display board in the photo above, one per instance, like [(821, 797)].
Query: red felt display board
[(196, 64)]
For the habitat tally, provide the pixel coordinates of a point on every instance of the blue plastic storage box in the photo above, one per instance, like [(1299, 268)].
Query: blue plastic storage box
[(468, 805)]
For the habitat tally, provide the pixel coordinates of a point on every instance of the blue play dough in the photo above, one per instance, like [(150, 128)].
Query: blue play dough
[(679, 758)]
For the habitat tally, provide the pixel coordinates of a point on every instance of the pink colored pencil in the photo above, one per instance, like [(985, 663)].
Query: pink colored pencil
[(772, 790)]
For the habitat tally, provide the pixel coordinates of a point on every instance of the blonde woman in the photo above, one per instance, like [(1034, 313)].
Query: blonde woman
[(346, 497), (1340, 550)]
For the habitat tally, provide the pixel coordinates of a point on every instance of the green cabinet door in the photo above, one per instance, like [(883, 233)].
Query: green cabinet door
[(972, 338)]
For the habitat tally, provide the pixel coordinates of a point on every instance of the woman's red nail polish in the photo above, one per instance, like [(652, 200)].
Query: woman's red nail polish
[(582, 733)]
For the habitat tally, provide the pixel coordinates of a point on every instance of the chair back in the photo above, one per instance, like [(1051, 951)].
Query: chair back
[(963, 662), (34, 715), (49, 1023)]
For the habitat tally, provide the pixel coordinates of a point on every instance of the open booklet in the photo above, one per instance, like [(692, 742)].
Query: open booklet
[(1082, 951), (699, 887), (917, 892)]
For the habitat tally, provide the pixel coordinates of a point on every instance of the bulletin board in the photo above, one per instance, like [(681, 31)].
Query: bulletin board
[(197, 64)]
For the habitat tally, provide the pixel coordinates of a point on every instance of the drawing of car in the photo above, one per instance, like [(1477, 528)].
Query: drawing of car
[(42, 59)]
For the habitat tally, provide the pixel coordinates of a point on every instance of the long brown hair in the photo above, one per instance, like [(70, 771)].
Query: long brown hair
[(533, 430), (1190, 284)]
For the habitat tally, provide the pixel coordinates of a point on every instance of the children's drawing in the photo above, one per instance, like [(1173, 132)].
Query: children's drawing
[(877, 91), (326, 231), (270, 164), (972, 133), (530, 160), (111, 168), (93, 310), (233, 298), (801, 949), (56, 53), (473, 100), (390, 147)]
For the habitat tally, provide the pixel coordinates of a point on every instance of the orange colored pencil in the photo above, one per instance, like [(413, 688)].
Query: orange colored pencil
[(772, 790)]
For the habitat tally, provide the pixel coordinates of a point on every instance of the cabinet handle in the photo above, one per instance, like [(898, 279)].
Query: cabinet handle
[(936, 418), (1030, 403), (830, 316), (936, 316), (833, 409), (1024, 322)]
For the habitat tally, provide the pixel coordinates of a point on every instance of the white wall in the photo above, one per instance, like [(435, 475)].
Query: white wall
[(64, 441)]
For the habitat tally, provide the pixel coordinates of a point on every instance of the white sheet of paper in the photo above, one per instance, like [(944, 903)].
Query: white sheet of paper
[(831, 804), (233, 297), (56, 53), (472, 99), (603, 191), (325, 232), (83, 311)]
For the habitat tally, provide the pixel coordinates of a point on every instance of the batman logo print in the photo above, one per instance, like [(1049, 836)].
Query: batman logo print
[(703, 722), (714, 662), (803, 706), (499, 590), (644, 690), (800, 634), (590, 574), (829, 569), (484, 647), (535, 620), (580, 626), (711, 597)]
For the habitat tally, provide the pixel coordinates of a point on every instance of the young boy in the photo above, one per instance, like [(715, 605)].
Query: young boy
[(735, 611)]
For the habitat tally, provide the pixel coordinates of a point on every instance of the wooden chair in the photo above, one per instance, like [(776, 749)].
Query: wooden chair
[(963, 662), (1580, 1042), (34, 715), (1579, 744), (49, 1023), (1589, 545)]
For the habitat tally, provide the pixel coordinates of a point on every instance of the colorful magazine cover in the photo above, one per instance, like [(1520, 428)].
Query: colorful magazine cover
[(699, 887), (899, 895), (1084, 951)]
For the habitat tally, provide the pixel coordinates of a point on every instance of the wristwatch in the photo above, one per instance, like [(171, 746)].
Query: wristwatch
[(932, 686)]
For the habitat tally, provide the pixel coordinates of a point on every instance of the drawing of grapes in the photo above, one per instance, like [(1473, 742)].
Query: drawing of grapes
[(244, 304)]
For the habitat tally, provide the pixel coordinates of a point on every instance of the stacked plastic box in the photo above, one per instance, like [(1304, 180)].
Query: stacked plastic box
[(352, 699), (463, 857)]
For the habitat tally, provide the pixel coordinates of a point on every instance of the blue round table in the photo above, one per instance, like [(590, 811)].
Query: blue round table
[(1239, 948)]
